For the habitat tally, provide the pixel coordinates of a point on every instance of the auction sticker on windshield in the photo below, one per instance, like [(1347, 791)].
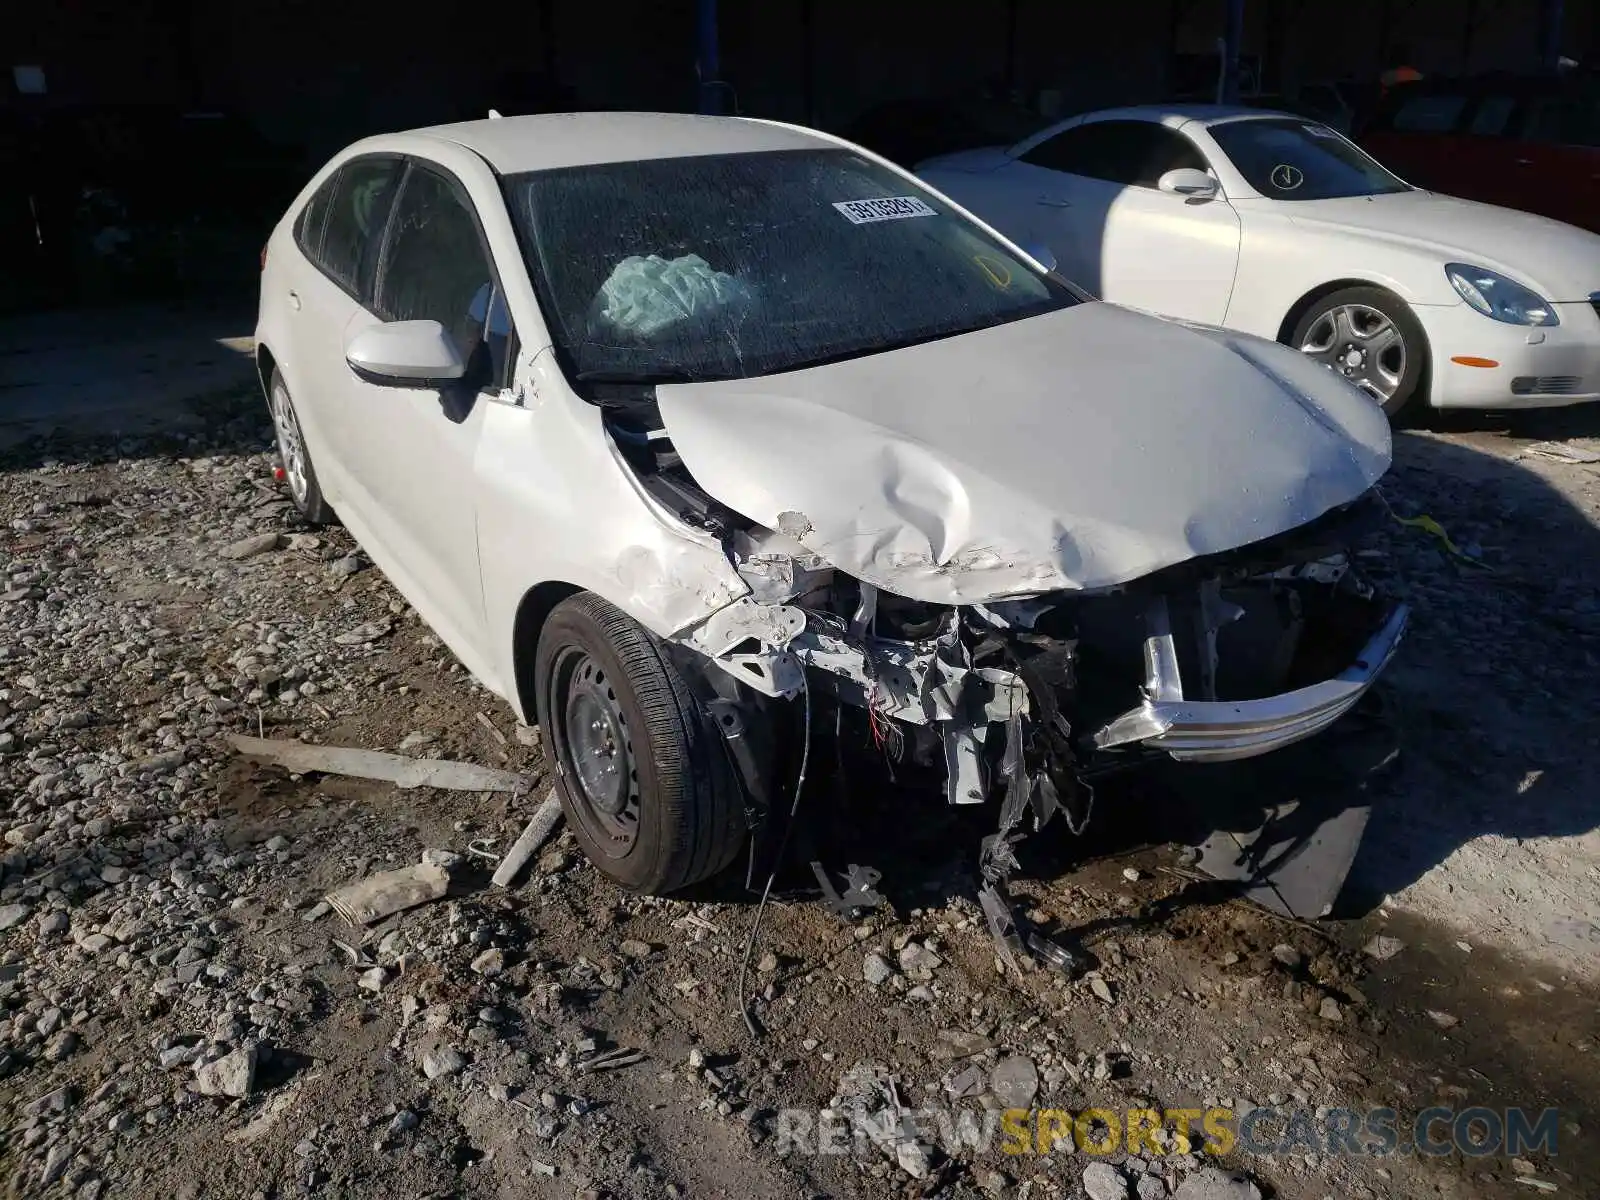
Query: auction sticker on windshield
[(884, 208)]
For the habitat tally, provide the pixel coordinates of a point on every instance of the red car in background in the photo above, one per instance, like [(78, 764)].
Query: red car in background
[(1527, 142)]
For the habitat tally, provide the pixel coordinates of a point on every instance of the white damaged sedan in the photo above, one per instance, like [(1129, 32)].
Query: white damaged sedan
[(694, 437)]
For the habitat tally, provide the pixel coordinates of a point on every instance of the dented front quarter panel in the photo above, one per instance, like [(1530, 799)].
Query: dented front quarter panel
[(1078, 450), (558, 505)]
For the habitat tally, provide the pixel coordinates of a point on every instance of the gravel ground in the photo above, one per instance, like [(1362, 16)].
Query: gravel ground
[(182, 1016)]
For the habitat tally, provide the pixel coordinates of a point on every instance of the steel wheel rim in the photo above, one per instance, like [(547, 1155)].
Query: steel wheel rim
[(291, 445), (1362, 344), (595, 751)]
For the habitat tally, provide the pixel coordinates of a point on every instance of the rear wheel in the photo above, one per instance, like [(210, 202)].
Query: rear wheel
[(1370, 337), (294, 458), (645, 781)]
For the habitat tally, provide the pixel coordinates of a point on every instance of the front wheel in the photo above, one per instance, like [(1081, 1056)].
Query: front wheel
[(1370, 337), (645, 781)]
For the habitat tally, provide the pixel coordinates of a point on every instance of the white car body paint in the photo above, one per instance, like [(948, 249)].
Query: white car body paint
[(1162, 252), (1073, 451), (467, 519), (1066, 452)]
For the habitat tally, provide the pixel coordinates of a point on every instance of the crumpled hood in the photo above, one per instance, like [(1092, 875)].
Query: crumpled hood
[(1559, 261), (1081, 449)]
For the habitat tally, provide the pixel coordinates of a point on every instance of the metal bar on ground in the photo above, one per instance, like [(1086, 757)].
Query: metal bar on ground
[(543, 824)]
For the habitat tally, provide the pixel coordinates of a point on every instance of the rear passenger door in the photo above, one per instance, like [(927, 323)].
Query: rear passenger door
[(414, 448), (339, 233)]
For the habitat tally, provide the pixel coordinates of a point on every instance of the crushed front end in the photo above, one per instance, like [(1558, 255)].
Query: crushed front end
[(1025, 701)]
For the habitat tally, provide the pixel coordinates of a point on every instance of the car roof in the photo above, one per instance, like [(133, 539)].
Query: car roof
[(1187, 114), (546, 140)]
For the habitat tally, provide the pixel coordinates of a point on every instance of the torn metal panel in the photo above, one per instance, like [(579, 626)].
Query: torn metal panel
[(775, 566), (966, 780), (771, 625), (1016, 614), (918, 682), (860, 893), (1213, 613), (906, 470), (749, 640)]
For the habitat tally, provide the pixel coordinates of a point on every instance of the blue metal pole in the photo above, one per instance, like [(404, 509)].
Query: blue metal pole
[(1550, 33), (1233, 36), (707, 57)]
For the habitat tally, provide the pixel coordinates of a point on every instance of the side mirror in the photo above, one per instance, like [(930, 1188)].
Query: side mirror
[(1190, 182), (1043, 254), (415, 354)]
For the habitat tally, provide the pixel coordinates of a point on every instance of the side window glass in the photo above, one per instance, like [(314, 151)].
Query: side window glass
[(1157, 150), (435, 268), (1429, 114), (1546, 121), (355, 221), (1126, 152), (1077, 151), (1493, 115), (308, 230), (1580, 122)]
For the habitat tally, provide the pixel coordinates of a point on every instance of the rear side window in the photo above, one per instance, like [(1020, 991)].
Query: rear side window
[(435, 268), (1562, 121), (313, 217), (1128, 152), (355, 220), (1428, 114), (1493, 116)]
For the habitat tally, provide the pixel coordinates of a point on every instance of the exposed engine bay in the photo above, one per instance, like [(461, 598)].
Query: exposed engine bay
[(1025, 700)]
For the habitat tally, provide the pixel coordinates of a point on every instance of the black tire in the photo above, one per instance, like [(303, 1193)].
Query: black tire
[(300, 476), (660, 808), (1318, 327)]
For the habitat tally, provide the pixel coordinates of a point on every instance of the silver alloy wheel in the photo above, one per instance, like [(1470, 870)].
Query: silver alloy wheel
[(291, 445), (1363, 345)]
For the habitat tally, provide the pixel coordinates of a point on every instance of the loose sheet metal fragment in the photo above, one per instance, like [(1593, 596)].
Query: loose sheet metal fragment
[(382, 895), (397, 769)]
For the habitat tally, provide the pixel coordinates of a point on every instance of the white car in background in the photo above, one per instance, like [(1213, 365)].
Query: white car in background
[(1279, 226), (676, 429)]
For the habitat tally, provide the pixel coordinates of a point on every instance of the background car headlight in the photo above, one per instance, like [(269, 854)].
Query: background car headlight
[(1500, 298)]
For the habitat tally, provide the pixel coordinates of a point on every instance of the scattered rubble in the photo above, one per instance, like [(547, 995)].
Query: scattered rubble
[(1383, 947), (178, 1002), (382, 895), (233, 1074), (1213, 1183), (1102, 1181)]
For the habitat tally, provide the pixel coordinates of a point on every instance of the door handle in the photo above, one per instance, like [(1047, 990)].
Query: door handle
[(294, 301), (1524, 162), (1056, 201)]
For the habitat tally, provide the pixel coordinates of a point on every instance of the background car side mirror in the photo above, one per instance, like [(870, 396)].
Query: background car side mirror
[(1189, 182), (1042, 254), (416, 354)]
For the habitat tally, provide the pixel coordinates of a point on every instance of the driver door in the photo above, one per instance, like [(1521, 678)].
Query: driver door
[(418, 445), (1124, 238)]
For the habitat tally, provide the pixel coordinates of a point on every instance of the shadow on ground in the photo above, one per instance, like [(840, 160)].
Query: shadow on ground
[(91, 385)]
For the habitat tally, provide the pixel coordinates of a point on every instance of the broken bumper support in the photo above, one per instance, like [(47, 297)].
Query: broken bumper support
[(1224, 730)]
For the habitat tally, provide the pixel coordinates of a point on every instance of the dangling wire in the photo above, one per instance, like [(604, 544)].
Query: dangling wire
[(777, 862)]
